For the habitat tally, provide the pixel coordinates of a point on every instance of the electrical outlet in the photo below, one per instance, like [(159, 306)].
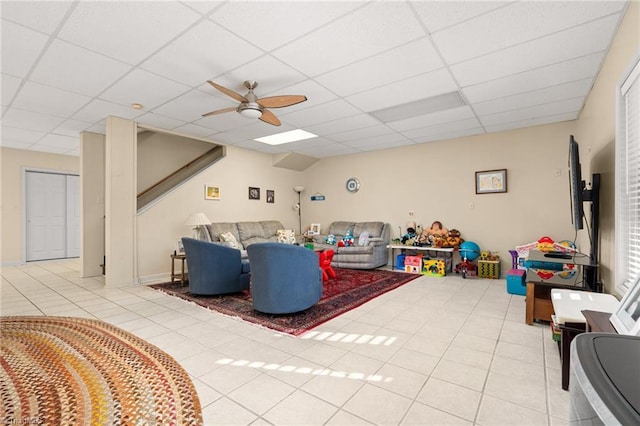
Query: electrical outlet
[(412, 213)]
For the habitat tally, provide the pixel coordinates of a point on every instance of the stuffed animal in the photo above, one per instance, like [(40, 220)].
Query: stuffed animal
[(348, 238), (330, 239), (409, 238)]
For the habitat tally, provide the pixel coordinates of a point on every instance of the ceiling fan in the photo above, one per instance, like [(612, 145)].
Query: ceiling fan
[(253, 107)]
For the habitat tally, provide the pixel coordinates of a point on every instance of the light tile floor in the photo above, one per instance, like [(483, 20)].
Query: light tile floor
[(434, 351)]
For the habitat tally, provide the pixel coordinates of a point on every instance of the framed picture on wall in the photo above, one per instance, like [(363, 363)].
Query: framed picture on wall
[(254, 193), (271, 196), (211, 192), (491, 181), (314, 229), (179, 247)]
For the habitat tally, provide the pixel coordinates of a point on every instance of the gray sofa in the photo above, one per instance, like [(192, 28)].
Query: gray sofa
[(372, 255), (245, 233)]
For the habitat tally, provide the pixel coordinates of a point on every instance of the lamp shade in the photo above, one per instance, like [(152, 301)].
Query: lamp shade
[(298, 189), (197, 219)]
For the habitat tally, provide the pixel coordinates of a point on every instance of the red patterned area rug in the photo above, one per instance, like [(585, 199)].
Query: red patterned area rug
[(351, 288), (76, 371)]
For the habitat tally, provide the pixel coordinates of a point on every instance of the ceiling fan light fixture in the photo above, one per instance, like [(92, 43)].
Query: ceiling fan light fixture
[(250, 110)]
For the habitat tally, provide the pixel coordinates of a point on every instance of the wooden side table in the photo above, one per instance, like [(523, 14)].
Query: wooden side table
[(182, 275)]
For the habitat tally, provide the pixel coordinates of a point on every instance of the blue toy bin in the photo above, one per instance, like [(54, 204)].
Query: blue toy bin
[(400, 261), (515, 282)]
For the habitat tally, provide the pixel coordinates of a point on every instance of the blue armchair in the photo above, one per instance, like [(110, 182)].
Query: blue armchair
[(284, 278), (214, 268)]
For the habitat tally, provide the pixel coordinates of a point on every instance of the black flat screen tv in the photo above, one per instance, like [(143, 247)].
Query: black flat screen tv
[(576, 185)]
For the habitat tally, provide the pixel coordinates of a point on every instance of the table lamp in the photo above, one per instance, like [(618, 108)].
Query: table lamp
[(197, 220)]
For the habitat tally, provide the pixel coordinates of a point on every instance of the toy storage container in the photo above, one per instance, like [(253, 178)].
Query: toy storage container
[(489, 269), (516, 282)]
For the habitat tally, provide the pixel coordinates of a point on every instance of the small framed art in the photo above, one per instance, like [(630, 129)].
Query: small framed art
[(491, 181), (179, 247), (271, 196), (211, 192), (254, 193), (314, 229)]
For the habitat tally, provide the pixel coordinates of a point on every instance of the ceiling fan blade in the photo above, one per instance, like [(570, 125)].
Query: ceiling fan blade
[(220, 111), (238, 97), (281, 101), (268, 117)]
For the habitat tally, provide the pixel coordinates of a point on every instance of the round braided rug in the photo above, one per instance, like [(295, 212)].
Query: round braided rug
[(76, 371)]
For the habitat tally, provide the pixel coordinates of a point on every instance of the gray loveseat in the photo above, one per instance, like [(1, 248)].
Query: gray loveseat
[(245, 233), (369, 256)]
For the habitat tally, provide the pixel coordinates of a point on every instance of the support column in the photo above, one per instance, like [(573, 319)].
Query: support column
[(91, 203), (120, 202)]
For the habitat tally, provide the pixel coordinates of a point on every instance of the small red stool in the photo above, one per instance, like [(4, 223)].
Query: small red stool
[(326, 257)]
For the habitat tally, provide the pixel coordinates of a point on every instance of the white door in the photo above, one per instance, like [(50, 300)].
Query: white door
[(47, 221)]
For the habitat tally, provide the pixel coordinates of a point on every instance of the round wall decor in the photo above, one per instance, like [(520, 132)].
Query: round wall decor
[(353, 185)]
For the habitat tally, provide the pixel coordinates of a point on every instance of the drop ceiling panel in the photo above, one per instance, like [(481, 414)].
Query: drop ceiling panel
[(548, 119), (129, 31), (343, 124), (262, 22), (191, 106), (58, 141), (19, 138), (195, 130), (204, 52), (448, 116), (440, 15), (42, 16), (576, 89), (448, 128), (98, 110), (412, 89), (366, 132), (15, 117), (76, 69), (377, 140), (159, 121), (37, 97), (569, 44), (405, 61), (563, 72), (148, 89), (487, 33), (323, 113), (369, 30), (553, 108), (10, 86), (18, 58), (271, 75), (71, 128), (329, 150), (453, 135), (385, 144)]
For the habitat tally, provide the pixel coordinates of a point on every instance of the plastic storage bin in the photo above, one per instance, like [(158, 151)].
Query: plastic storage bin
[(515, 282)]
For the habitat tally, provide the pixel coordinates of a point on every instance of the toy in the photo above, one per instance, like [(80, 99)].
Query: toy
[(348, 239), (330, 239), (413, 264), (436, 235), (469, 251), (434, 267), (409, 238)]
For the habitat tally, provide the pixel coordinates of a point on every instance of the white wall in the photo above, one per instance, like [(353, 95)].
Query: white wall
[(437, 181)]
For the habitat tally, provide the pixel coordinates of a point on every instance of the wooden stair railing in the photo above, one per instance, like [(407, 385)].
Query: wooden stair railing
[(184, 173)]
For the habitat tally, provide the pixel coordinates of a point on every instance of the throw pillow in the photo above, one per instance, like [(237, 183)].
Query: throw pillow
[(363, 239), (286, 236), (228, 237)]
